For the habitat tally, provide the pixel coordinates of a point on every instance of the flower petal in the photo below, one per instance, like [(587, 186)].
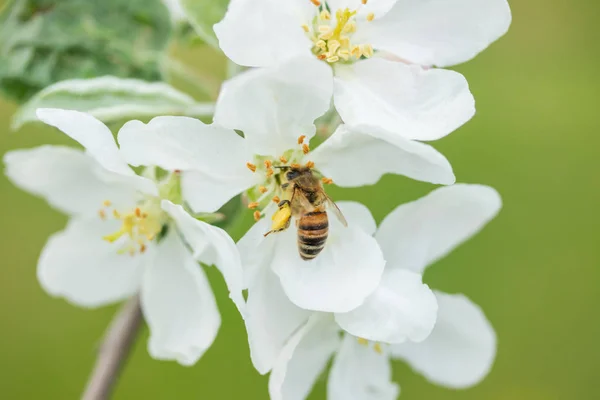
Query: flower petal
[(303, 359), (460, 351), (98, 142), (256, 251), (375, 152), (90, 132), (421, 104), (439, 32), (214, 157), (213, 246), (84, 269), (178, 305), (263, 33), (401, 308), (67, 178), (270, 319), (339, 279), (360, 373), (416, 234), (275, 106), (358, 215)]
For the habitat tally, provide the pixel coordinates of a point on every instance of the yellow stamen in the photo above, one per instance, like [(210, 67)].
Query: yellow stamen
[(252, 205), (294, 165), (370, 16), (362, 341), (325, 15), (305, 148), (276, 199), (283, 159), (301, 139), (364, 1), (116, 214), (327, 181), (268, 164), (306, 28), (107, 203), (270, 172), (102, 214), (263, 189), (316, 2), (251, 166), (377, 348), (256, 215), (310, 164), (333, 59)]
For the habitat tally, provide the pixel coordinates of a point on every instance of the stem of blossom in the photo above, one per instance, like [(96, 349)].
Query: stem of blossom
[(115, 348)]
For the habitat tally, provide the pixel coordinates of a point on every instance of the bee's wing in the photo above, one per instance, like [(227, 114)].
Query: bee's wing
[(298, 197), (335, 208)]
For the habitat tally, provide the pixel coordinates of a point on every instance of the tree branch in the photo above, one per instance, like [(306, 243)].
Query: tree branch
[(115, 349)]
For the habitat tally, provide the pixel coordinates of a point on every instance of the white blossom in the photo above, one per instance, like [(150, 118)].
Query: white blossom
[(458, 353), (380, 53), (277, 115), (126, 237)]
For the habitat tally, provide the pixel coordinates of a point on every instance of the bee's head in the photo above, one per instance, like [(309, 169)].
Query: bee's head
[(292, 172)]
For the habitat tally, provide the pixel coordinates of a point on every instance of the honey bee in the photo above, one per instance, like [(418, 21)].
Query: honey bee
[(307, 202)]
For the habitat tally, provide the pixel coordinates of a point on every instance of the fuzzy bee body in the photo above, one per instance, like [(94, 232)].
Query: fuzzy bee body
[(313, 229), (307, 203)]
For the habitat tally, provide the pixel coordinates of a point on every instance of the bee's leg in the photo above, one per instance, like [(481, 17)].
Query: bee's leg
[(281, 218), (283, 203), (284, 186)]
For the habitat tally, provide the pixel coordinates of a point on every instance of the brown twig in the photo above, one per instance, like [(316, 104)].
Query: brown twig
[(114, 351)]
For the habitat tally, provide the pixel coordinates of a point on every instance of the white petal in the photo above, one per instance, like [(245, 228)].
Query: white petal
[(303, 359), (275, 106), (90, 132), (461, 349), (439, 32), (263, 33), (271, 319), (339, 279), (213, 246), (360, 373), (205, 192), (416, 234), (214, 157), (358, 215), (413, 102), (67, 178), (402, 308), (375, 152), (256, 251), (178, 305), (84, 269)]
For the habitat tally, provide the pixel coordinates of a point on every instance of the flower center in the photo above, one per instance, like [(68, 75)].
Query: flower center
[(332, 35), (139, 226), (273, 187)]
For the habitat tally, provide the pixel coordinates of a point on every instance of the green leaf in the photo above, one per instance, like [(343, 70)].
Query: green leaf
[(112, 99), (47, 41), (202, 15)]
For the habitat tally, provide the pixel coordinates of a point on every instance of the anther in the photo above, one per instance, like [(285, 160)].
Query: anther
[(306, 28), (367, 50), (102, 214), (276, 199), (370, 16), (251, 166), (310, 164), (333, 59), (268, 164), (138, 212), (301, 139), (377, 348), (252, 205), (256, 215), (142, 248), (295, 166), (316, 2), (327, 181), (325, 15), (116, 214), (270, 172), (364, 1), (362, 341), (107, 203), (283, 159), (305, 148), (263, 189)]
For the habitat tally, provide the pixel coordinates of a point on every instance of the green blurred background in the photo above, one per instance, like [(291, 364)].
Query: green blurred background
[(534, 270)]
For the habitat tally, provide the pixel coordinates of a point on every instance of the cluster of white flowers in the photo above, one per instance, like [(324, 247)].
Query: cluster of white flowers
[(360, 300)]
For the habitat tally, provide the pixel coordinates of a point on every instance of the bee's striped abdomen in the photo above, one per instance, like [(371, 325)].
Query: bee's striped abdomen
[(313, 228)]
